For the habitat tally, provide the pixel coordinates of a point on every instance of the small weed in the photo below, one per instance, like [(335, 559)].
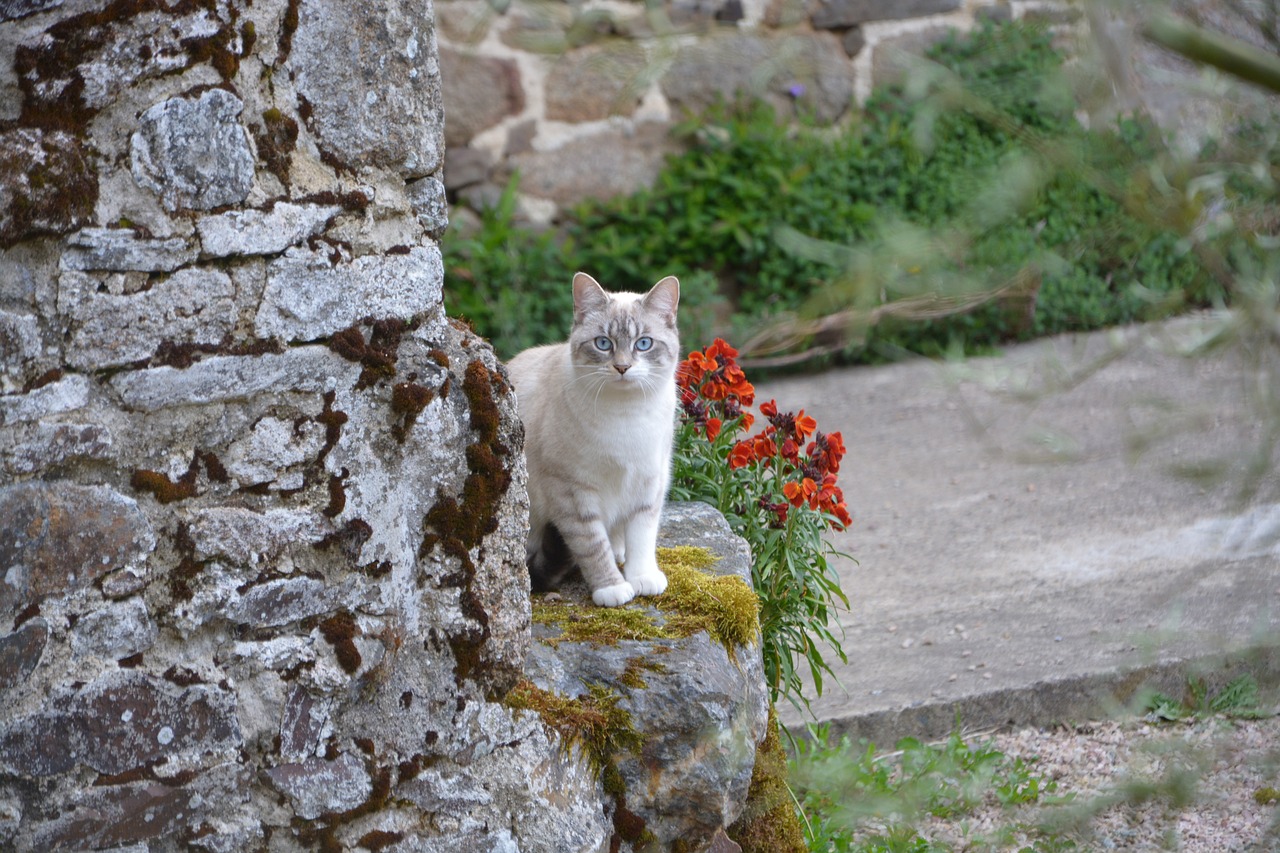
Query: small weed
[(1238, 699)]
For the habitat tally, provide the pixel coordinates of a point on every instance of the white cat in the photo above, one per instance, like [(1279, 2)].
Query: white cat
[(599, 419)]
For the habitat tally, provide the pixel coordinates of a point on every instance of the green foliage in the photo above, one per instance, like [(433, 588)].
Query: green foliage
[(1238, 698), (714, 215), (859, 801)]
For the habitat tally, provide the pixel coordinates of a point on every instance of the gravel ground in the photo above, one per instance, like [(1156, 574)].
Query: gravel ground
[(1218, 766)]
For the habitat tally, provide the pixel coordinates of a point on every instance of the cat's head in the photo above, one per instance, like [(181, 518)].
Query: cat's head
[(627, 339)]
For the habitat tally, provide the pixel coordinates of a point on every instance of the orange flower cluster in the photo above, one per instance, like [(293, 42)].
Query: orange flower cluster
[(715, 392)]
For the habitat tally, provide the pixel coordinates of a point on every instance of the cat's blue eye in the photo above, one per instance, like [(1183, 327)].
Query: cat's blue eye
[(644, 344), (603, 344)]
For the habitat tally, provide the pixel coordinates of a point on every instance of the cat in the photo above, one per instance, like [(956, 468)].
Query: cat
[(599, 418)]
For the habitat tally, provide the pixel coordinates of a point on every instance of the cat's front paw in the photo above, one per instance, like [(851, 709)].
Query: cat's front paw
[(616, 595), (648, 582)]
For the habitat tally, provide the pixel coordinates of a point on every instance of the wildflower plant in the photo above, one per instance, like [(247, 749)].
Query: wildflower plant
[(777, 488)]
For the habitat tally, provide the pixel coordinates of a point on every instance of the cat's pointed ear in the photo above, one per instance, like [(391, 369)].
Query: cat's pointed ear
[(588, 296), (663, 299)]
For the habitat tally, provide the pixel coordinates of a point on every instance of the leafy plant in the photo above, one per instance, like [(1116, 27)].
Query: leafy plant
[(859, 800), (1238, 698), (778, 490)]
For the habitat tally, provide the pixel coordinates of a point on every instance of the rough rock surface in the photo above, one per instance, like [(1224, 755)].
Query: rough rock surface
[(481, 92), (262, 579), (699, 710)]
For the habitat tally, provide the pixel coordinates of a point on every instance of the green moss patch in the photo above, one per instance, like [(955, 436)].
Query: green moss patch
[(593, 721), (723, 606), (769, 823)]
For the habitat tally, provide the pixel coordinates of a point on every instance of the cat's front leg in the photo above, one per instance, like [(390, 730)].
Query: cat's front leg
[(641, 569), (587, 538)]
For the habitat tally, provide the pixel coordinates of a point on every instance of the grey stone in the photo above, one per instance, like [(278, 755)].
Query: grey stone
[(114, 631), (810, 69), (373, 83), (120, 249), (141, 817), (317, 786), (602, 165), (272, 446), (308, 297), (259, 232), (20, 652), (303, 723), (11, 10), (194, 153), (854, 41), (228, 377), (56, 398), (192, 306), (124, 583), (20, 343), (246, 536), (46, 184), (892, 58), (280, 602), (465, 166), (596, 82), (119, 722), (62, 537), (482, 91), (54, 444), (427, 198), (700, 713), (834, 14)]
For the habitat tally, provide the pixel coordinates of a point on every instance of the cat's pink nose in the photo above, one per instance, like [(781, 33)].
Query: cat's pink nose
[(622, 368)]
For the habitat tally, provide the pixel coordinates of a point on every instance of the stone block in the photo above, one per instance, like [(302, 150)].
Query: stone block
[(271, 447), (146, 816), (837, 14), (430, 205), (46, 184), (596, 82), (245, 536), (262, 232), (811, 70), (280, 602), (20, 652), (62, 537), (308, 296), (465, 166), (12, 10), (891, 58), (55, 444), (318, 786), (193, 152), (192, 306), (120, 250), (114, 631), (482, 91), (302, 725), (232, 377), (65, 395), (121, 721), (372, 82), (602, 165), (20, 343)]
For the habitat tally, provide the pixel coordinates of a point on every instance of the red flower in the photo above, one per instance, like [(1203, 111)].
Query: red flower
[(742, 455), (769, 408), (805, 426), (713, 428), (799, 493)]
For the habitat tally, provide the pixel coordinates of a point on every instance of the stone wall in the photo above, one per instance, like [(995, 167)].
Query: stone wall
[(262, 505), (579, 98)]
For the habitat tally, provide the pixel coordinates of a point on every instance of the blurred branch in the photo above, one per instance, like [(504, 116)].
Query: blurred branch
[(1222, 52)]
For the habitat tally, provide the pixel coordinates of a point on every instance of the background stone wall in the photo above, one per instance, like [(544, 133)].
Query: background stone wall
[(579, 98)]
